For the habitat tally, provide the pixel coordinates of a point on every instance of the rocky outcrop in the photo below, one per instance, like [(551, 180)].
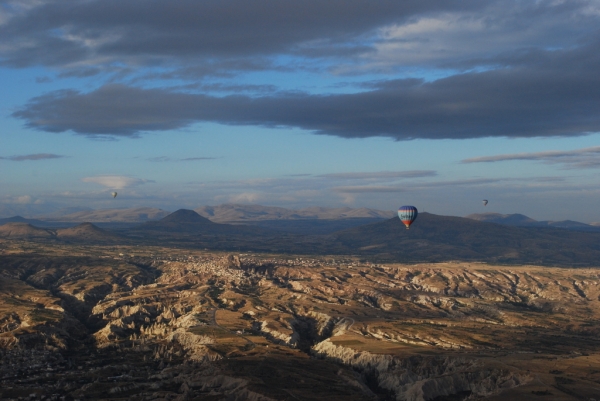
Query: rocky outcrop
[(423, 378), (195, 345), (24, 230)]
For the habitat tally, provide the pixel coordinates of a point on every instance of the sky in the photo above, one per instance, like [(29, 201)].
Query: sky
[(183, 103)]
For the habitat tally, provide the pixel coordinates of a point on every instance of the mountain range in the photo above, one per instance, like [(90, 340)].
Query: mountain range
[(131, 215), (431, 238), (230, 213), (85, 232), (436, 238), (524, 221), (311, 220)]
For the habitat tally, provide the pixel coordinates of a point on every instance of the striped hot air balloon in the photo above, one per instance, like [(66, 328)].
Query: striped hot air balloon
[(407, 215)]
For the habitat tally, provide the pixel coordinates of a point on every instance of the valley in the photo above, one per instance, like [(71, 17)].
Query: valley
[(164, 323)]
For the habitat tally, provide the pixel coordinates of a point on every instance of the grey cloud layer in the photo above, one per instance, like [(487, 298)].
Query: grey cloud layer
[(380, 175), (65, 32), (36, 156), (580, 158), (455, 184), (216, 36), (540, 71), (518, 102)]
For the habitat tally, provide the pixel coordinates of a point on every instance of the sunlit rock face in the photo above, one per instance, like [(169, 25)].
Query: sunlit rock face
[(159, 323)]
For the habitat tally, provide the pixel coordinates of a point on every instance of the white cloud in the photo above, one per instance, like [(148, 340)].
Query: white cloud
[(18, 200), (246, 197), (116, 181), (23, 200)]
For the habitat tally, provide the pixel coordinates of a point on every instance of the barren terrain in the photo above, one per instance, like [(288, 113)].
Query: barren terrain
[(151, 323)]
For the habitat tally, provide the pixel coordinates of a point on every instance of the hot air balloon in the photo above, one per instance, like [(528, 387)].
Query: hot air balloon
[(407, 215), (485, 202), (114, 194)]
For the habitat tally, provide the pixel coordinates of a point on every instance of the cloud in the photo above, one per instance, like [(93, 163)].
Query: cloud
[(486, 69), (559, 98), (573, 159), (190, 38), (246, 197), (58, 33), (477, 39), (220, 87), (20, 200), (116, 181), (36, 156), (190, 159), (368, 189), (462, 183), (418, 185), (169, 159), (380, 175)]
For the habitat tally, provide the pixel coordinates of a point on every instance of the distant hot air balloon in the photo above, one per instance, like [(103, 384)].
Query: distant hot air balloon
[(407, 215), (485, 202), (114, 194)]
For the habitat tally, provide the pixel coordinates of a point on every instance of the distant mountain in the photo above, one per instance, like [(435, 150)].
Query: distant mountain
[(85, 232), (524, 221), (185, 216), (229, 213), (29, 209), (431, 238), (442, 238), (19, 219), (185, 221), (506, 219), (569, 224), (136, 215), (241, 213), (24, 231), (68, 210)]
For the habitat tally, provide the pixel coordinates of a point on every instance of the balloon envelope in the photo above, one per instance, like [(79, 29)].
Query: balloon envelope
[(407, 215), (114, 194), (485, 202)]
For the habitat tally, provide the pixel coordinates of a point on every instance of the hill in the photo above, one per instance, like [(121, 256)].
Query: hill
[(180, 221), (443, 238), (522, 220), (19, 219), (135, 215), (85, 232), (242, 213), (188, 222), (24, 230), (506, 219), (185, 216)]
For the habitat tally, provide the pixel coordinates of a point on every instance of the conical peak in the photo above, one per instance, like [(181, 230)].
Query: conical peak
[(185, 216)]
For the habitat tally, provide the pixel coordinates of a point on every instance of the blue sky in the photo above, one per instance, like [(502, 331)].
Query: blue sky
[(438, 104)]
